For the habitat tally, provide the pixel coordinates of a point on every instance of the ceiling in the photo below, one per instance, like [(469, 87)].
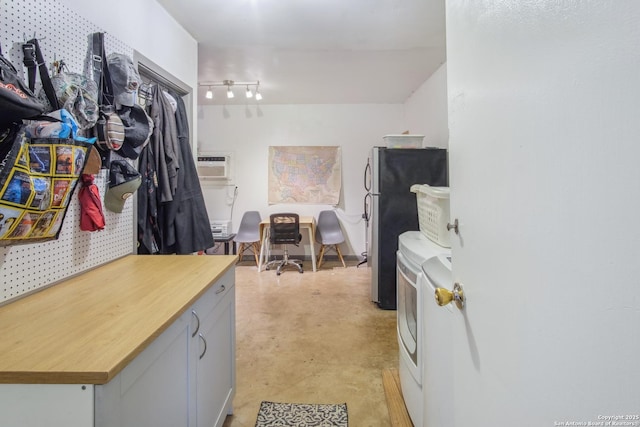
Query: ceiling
[(315, 51)]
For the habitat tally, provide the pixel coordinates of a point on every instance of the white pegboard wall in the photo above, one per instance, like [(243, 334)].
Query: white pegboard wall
[(27, 268)]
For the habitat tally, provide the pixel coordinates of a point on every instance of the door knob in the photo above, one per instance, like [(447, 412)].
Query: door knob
[(445, 296), (453, 226)]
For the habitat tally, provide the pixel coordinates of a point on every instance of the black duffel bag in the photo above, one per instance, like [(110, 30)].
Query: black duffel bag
[(17, 101)]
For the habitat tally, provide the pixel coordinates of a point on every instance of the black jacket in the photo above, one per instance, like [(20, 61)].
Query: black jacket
[(185, 222), (180, 225)]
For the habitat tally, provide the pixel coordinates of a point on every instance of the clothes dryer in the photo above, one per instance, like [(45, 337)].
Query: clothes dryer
[(437, 385), (414, 249)]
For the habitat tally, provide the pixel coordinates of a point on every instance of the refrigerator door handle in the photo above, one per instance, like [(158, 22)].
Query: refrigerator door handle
[(367, 208), (367, 174)]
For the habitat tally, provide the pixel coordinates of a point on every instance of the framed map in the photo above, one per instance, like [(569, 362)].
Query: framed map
[(309, 175)]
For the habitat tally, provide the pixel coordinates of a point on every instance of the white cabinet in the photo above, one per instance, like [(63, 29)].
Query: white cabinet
[(213, 356), (155, 348), (185, 377), (153, 389), (51, 405)]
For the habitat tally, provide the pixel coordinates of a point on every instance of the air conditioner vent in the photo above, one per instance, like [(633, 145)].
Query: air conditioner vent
[(213, 167)]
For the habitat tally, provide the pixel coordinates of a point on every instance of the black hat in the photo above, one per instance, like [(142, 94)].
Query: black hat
[(138, 127)]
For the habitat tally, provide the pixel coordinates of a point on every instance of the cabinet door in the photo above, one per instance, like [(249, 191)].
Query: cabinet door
[(152, 390), (214, 356)]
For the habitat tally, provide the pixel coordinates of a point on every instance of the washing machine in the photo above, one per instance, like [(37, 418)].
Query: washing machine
[(414, 249), (437, 349)]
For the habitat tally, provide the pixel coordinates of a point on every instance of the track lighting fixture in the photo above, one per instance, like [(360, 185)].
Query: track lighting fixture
[(229, 84)]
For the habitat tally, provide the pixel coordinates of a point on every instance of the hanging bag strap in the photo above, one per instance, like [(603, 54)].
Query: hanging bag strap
[(96, 62), (101, 74), (30, 61), (33, 59)]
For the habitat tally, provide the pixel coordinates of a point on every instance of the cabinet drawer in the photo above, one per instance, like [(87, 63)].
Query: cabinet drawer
[(214, 294)]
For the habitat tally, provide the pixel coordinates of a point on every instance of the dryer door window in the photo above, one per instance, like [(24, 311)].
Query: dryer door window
[(408, 310)]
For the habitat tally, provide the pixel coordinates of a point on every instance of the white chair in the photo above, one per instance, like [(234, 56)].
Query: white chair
[(329, 234), (248, 235)]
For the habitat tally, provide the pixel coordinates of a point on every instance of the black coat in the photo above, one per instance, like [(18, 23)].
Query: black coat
[(185, 222), (149, 237), (181, 225)]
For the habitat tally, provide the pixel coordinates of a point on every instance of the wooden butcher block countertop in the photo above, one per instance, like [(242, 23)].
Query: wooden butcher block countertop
[(86, 329)]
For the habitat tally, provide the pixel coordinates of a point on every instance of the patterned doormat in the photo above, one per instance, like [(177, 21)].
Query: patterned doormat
[(272, 414)]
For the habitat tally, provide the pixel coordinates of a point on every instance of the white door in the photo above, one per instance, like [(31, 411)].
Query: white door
[(545, 180)]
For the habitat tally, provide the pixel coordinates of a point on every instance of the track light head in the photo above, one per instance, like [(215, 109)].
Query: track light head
[(229, 84)]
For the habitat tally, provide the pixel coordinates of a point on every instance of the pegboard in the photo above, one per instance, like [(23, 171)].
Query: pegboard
[(27, 268)]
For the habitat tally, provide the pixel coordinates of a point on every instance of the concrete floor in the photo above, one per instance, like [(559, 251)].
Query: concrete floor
[(311, 338)]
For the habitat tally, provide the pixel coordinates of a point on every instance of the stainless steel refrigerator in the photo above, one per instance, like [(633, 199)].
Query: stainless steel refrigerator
[(391, 208)]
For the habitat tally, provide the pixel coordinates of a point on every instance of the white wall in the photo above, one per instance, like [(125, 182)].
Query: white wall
[(426, 110), (145, 26), (248, 131)]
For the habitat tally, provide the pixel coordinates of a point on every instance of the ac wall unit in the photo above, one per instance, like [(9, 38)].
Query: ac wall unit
[(213, 167)]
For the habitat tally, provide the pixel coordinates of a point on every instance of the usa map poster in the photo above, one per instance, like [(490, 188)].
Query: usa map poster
[(308, 175)]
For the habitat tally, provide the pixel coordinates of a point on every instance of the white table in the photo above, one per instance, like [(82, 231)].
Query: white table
[(306, 222)]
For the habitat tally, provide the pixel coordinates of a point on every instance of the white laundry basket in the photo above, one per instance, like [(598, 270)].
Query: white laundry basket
[(433, 212)]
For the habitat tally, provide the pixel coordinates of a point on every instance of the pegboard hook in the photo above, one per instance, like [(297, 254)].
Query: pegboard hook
[(24, 37)]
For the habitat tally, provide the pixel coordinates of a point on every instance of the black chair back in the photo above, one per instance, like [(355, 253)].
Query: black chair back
[(284, 229)]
